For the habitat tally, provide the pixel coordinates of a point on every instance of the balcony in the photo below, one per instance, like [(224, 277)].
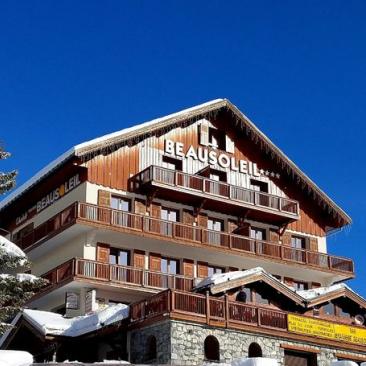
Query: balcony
[(218, 196), (118, 275), (84, 213), (222, 312)]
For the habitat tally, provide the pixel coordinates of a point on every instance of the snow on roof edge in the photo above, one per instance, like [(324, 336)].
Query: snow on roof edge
[(56, 162)]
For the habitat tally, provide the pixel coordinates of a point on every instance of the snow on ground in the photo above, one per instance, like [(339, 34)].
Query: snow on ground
[(21, 277), (15, 358), (56, 324), (10, 248), (344, 363), (255, 361)]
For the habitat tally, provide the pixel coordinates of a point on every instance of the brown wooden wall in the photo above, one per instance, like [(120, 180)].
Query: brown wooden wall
[(114, 170)]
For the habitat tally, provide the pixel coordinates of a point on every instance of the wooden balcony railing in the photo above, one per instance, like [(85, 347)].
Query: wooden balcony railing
[(179, 231), (85, 212), (117, 274), (203, 185), (209, 310)]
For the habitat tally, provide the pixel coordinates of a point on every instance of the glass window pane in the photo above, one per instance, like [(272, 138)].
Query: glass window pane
[(114, 203), (164, 214), (123, 258), (112, 259), (173, 266), (164, 265)]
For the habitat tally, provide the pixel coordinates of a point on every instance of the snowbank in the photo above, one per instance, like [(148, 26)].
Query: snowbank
[(10, 248), (256, 361), (344, 363), (56, 324), (15, 358)]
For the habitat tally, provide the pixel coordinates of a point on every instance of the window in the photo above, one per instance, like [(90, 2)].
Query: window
[(169, 214), (258, 186), (328, 309), (300, 286), (216, 138), (260, 299), (212, 349), (258, 234), (343, 313), (244, 295), (172, 163), (293, 358), (122, 204), (215, 226), (169, 265), (298, 242), (213, 269), (255, 350), (119, 256)]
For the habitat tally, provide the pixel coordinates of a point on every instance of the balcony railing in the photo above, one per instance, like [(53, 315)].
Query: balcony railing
[(85, 212), (116, 274), (222, 312), (215, 189), (183, 232)]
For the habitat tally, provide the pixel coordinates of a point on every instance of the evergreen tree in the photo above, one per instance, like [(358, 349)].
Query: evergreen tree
[(15, 288)]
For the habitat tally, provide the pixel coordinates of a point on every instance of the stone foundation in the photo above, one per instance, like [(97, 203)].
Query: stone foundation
[(182, 343)]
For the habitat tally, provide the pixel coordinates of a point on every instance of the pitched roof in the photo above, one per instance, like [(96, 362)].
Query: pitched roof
[(117, 139)]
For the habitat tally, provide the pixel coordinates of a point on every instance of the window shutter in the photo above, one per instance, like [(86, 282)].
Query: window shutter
[(202, 220), (156, 210), (140, 207), (273, 236), (229, 143), (104, 198), (204, 133), (314, 244), (103, 252), (188, 268), (286, 239), (188, 217), (202, 270), (155, 262), (139, 259)]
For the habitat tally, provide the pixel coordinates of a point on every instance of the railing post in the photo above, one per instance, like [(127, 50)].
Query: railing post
[(172, 302), (329, 262), (207, 307), (258, 316), (226, 310)]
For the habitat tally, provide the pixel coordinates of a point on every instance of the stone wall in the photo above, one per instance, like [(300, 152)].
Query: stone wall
[(182, 343)]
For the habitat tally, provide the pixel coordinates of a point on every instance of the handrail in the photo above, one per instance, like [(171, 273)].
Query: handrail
[(221, 189), (180, 231)]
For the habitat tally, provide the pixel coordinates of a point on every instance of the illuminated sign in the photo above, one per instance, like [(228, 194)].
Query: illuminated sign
[(213, 157), (325, 329)]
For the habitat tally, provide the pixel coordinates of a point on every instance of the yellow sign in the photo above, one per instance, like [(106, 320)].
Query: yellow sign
[(324, 329)]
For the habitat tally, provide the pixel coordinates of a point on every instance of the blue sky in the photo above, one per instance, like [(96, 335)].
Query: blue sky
[(74, 70)]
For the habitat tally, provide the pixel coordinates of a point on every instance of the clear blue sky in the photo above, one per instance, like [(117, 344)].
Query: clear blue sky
[(74, 70)]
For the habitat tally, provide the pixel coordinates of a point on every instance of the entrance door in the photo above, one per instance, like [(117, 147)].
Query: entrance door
[(293, 358)]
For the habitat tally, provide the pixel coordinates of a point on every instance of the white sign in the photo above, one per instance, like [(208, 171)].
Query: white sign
[(72, 300), (212, 157)]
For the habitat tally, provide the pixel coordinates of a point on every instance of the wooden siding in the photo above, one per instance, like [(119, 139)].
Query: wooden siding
[(114, 169)]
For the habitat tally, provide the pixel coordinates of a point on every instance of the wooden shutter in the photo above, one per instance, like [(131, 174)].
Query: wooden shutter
[(139, 259), (188, 217), (286, 239), (156, 210), (155, 262), (140, 207), (202, 269), (314, 244), (188, 268), (229, 143), (104, 198), (204, 133), (273, 236), (202, 220), (103, 252)]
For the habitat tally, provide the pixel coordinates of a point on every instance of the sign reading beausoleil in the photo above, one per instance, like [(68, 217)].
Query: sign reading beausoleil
[(211, 157), (57, 193)]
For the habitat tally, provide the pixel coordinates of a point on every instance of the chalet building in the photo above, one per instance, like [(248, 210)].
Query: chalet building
[(215, 239)]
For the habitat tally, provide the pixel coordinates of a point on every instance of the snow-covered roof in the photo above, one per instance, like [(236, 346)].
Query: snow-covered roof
[(219, 280), (15, 358), (49, 323), (10, 248), (213, 105)]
